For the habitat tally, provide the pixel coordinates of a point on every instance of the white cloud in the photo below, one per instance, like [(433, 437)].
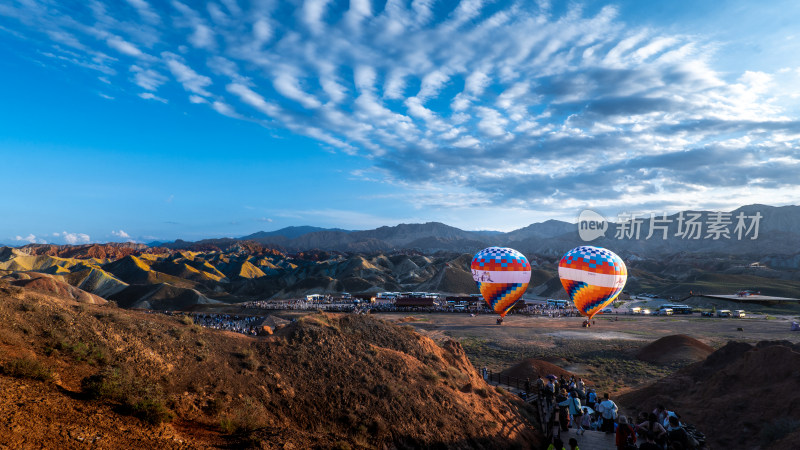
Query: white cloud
[(191, 80), (289, 87), (120, 234), (145, 11), (202, 37), (125, 47), (75, 238), (248, 96), (312, 12), (31, 238), (224, 109), (151, 96), (483, 94), (147, 79)]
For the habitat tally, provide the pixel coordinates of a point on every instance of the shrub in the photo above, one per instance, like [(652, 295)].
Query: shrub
[(151, 410), (214, 406), (429, 374), (132, 395), (228, 425), (80, 351), (482, 392), (27, 307), (245, 419), (108, 384), (27, 368)]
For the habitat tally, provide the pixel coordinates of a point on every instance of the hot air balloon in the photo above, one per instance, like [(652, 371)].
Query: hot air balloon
[(592, 277), (502, 275)]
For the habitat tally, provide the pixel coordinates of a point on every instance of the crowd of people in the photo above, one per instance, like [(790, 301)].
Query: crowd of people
[(575, 406), (249, 325), (543, 309)]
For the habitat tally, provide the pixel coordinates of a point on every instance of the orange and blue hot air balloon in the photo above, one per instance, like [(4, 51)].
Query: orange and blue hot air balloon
[(502, 275), (593, 277)]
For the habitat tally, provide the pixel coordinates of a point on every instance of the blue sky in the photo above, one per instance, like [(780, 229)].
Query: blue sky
[(151, 120)]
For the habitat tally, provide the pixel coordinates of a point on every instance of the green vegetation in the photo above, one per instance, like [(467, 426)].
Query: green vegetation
[(80, 351), (27, 368), (134, 397), (245, 419), (248, 359)]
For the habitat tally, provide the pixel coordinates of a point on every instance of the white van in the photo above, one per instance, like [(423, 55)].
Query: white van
[(739, 313)]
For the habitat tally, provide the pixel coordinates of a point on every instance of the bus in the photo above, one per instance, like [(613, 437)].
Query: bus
[(677, 309)]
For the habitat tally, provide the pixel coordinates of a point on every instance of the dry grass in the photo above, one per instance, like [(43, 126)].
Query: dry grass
[(27, 368)]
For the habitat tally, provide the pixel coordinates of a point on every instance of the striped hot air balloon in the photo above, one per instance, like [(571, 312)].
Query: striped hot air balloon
[(592, 277), (502, 275)]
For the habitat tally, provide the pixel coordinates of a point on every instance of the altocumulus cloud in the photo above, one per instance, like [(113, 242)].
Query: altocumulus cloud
[(504, 102)]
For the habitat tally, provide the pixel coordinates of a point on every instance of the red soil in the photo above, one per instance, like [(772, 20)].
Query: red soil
[(675, 348)]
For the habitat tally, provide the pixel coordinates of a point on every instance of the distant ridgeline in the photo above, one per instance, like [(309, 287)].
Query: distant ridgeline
[(752, 248)]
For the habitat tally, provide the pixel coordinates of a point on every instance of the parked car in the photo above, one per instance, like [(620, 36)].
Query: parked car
[(724, 313), (707, 314), (739, 313)]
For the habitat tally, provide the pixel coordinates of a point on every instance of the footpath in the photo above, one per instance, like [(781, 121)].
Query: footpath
[(589, 440)]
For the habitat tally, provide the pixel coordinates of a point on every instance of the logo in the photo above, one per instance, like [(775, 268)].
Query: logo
[(591, 225)]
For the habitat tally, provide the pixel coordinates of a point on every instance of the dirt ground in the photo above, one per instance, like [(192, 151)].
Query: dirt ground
[(604, 353)]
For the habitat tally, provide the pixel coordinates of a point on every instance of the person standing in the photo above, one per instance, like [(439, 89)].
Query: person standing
[(539, 386), (591, 398), (549, 392), (563, 409), (608, 409), (586, 420), (575, 411)]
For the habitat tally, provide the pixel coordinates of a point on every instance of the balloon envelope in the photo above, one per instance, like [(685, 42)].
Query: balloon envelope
[(502, 275), (592, 277)]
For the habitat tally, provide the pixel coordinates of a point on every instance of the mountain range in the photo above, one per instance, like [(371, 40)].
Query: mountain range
[(435, 257), (777, 234)]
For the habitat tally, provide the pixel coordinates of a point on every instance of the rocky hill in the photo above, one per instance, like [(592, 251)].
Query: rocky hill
[(742, 395), (75, 374), (239, 271)]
